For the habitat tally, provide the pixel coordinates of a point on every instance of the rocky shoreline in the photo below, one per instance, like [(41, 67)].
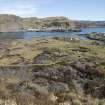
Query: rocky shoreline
[(54, 30), (46, 30), (96, 36)]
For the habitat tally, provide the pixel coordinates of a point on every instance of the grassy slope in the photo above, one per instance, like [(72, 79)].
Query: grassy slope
[(62, 53), (28, 50)]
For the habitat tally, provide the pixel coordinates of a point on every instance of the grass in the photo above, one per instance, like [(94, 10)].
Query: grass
[(26, 51), (60, 54)]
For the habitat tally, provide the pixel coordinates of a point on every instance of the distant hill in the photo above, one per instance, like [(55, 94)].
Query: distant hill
[(86, 24), (11, 23)]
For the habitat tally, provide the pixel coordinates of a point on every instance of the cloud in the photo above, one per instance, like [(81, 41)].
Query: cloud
[(24, 8), (21, 8), (24, 12)]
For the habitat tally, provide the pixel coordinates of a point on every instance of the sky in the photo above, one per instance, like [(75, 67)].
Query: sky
[(73, 9)]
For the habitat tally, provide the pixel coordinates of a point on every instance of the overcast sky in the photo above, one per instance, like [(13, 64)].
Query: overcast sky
[(74, 9)]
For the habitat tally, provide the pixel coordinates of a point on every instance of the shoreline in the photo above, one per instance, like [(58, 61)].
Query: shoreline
[(51, 30), (41, 30)]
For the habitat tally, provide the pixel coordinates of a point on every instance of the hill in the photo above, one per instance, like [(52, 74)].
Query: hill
[(91, 24), (34, 22), (62, 22), (10, 23)]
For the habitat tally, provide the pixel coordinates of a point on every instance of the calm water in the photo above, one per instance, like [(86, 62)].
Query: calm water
[(30, 35), (90, 30)]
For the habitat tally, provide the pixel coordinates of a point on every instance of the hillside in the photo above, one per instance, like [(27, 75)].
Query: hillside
[(61, 22), (48, 22), (53, 71), (10, 23)]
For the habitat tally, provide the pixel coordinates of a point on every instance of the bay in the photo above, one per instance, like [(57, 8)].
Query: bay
[(30, 35)]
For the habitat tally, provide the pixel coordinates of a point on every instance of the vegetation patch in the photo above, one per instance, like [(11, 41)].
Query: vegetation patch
[(61, 70)]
